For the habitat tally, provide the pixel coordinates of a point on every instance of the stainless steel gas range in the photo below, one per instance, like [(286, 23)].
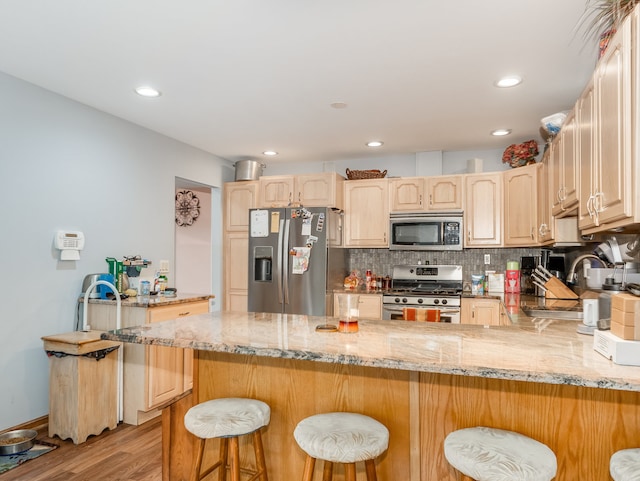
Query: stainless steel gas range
[(431, 287)]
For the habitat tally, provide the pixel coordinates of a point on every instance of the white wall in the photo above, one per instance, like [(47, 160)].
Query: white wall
[(408, 165), (64, 165)]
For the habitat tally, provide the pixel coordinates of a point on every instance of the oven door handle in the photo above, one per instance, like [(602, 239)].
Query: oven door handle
[(442, 311)]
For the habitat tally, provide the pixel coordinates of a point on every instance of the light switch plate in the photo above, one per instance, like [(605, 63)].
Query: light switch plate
[(487, 259)]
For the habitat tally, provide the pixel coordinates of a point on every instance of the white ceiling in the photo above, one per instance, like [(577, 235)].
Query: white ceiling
[(242, 76)]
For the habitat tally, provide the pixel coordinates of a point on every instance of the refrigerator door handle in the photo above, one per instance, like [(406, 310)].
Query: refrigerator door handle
[(279, 262), (285, 256)]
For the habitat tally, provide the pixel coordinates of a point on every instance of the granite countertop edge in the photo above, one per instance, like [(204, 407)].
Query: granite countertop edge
[(535, 350)]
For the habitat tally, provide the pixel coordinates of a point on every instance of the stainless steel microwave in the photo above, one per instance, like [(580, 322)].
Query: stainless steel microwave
[(426, 232)]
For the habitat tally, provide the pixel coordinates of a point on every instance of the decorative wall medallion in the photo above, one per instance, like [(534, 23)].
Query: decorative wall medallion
[(187, 208)]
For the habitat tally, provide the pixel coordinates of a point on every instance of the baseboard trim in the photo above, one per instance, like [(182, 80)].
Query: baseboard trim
[(36, 424)]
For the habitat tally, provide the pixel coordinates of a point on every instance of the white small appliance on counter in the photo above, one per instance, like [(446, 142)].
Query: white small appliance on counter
[(618, 350)]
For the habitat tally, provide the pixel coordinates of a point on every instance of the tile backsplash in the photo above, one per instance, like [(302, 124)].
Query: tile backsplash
[(381, 261)]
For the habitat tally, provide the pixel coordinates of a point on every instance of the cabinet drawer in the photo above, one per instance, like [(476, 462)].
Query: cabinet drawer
[(157, 314)]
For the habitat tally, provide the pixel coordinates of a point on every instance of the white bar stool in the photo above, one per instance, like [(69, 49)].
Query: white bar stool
[(341, 437), (227, 419), (625, 465), (488, 454)]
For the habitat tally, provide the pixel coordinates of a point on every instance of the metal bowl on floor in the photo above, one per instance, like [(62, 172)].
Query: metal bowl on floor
[(17, 441)]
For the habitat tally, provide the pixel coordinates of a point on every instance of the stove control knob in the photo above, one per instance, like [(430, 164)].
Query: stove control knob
[(420, 301), (436, 301), (404, 300), (444, 301), (397, 299)]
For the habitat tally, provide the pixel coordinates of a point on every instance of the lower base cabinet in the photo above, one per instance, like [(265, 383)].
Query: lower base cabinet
[(486, 312), (369, 305), (153, 375)]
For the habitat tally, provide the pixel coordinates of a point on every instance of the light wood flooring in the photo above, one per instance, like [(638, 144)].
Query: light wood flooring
[(131, 453)]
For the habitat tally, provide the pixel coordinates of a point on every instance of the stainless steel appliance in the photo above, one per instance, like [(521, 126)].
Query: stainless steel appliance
[(421, 231), (426, 287), (295, 260)]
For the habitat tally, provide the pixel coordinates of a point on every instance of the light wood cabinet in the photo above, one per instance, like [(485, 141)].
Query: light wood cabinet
[(310, 190), (152, 375), (564, 171), (546, 224), (521, 206), (426, 194), (483, 210), (236, 272), (407, 194), (369, 305), (587, 131), (485, 312), (444, 193), (612, 166), (239, 197), (366, 218), (320, 190)]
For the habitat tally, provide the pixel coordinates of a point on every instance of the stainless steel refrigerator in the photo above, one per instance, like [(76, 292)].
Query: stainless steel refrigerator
[(295, 260)]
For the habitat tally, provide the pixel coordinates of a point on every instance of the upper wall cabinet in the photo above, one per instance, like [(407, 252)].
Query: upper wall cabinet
[(310, 190), (444, 193), (483, 210), (366, 216), (406, 194), (426, 194), (606, 143), (239, 197), (521, 206), (564, 171), (546, 222)]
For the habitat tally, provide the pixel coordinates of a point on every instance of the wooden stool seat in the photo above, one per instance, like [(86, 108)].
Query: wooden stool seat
[(487, 454), (227, 419), (625, 465), (344, 438)]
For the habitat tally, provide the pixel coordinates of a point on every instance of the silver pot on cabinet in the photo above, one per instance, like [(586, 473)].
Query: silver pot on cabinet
[(248, 169)]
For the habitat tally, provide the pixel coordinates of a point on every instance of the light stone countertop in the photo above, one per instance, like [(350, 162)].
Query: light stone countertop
[(532, 349), (153, 301)]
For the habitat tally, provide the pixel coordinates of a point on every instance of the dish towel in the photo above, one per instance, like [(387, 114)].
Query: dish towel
[(417, 314)]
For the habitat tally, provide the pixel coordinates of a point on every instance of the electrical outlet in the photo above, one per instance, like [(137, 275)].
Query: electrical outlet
[(487, 259)]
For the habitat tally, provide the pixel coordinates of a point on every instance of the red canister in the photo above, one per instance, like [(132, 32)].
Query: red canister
[(512, 277)]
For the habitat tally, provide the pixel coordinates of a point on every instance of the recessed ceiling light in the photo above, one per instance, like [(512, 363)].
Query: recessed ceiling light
[(500, 132), (339, 105), (510, 81), (375, 143), (270, 152), (148, 92)]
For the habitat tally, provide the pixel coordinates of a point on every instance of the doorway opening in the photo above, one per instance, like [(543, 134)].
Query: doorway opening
[(198, 245)]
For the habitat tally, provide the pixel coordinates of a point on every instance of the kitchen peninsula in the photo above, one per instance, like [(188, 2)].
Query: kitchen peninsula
[(422, 380)]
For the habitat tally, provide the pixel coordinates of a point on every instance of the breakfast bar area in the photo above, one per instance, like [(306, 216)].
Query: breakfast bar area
[(421, 380)]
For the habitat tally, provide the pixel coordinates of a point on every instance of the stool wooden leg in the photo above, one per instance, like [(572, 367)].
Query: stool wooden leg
[(234, 454), (224, 457), (260, 463), (370, 466), (350, 472), (195, 470), (309, 464), (327, 472)]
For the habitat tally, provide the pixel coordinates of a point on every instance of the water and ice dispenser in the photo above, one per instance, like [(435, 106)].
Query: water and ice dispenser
[(262, 263)]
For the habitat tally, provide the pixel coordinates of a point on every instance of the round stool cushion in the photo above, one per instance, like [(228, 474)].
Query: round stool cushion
[(342, 437), (226, 417), (487, 454), (625, 465)]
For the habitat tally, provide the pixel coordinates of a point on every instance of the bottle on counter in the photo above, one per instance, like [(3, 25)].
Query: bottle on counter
[(512, 277), (367, 279)]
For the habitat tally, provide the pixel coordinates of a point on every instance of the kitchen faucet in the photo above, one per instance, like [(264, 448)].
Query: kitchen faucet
[(572, 270)]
